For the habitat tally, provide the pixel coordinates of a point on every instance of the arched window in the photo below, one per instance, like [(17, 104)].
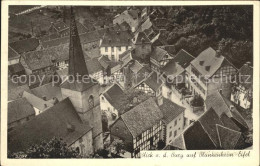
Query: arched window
[(91, 102)]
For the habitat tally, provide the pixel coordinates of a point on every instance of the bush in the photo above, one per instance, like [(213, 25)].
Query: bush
[(197, 101)]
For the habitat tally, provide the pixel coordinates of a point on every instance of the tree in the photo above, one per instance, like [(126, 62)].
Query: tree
[(118, 145), (55, 148), (197, 101)]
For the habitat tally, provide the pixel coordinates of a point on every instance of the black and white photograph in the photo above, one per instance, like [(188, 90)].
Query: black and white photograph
[(86, 81)]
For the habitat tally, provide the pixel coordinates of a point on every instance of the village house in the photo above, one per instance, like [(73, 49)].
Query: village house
[(15, 91), (115, 43), (95, 70), (24, 46), (242, 93), (112, 102), (60, 121), (210, 72), (90, 43), (131, 16), (173, 119), (39, 104), (221, 105), (151, 85), (210, 131), (140, 128), (175, 78), (159, 58), (19, 112)]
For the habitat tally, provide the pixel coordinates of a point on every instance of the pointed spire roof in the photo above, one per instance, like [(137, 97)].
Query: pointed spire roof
[(79, 79), (77, 65)]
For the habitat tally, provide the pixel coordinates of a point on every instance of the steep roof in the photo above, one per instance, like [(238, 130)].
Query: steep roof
[(153, 81), (37, 102), (141, 38), (17, 92), (116, 97), (43, 58), (116, 39), (23, 46), (172, 69), (209, 120), (142, 117), (196, 138), (158, 54), (84, 38), (12, 54), (222, 105), (228, 138), (51, 123), (208, 62), (179, 142), (94, 66), (15, 68), (228, 122), (19, 109), (183, 58), (170, 110), (48, 90)]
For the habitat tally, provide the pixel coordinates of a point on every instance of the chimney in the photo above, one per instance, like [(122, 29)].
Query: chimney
[(218, 53), (220, 91), (70, 127), (160, 100), (44, 98)]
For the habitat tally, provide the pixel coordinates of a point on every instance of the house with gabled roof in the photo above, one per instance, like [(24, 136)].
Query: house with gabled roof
[(19, 112), (151, 84), (221, 105), (242, 92), (140, 128), (159, 58), (209, 72), (173, 119), (211, 131), (60, 121)]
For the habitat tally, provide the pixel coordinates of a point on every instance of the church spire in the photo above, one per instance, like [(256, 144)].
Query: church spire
[(77, 65)]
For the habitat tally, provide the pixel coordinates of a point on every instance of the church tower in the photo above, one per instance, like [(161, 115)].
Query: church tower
[(82, 91)]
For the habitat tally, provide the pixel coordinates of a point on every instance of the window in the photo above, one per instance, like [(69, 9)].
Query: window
[(175, 133), (170, 134), (139, 137), (113, 49), (112, 57), (91, 102), (175, 122), (106, 49)]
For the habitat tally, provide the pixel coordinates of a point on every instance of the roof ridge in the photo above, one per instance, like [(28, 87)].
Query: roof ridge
[(207, 134)]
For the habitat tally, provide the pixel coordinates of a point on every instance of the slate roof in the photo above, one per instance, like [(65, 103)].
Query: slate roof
[(212, 132), (228, 138), (37, 102), (196, 138), (17, 92), (15, 68), (153, 81), (104, 61), (222, 105), (183, 58), (179, 142), (48, 90), (43, 58), (140, 38), (211, 62), (23, 46), (142, 117), (12, 54), (170, 110), (116, 97), (116, 39), (84, 38), (19, 109), (94, 66), (60, 25), (228, 122), (136, 67), (172, 69), (209, 120), (158, 54), (51, 123)]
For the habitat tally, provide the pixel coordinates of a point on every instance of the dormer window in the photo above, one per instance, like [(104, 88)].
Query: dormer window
[(201, 63), (207, 68)]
